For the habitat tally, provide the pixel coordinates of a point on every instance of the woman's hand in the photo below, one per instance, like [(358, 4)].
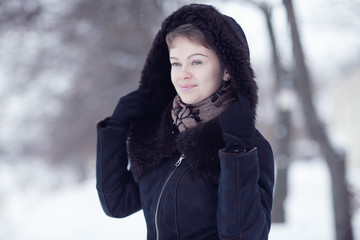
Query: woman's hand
[(131, 107), (238, 127)]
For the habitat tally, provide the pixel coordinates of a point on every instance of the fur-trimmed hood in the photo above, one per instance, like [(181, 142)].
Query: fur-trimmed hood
[(154, 138), (224, 35)]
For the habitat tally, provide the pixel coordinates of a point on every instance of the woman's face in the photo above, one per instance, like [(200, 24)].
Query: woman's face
[(196, 72)]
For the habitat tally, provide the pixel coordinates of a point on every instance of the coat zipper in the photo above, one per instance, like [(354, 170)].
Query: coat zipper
[(177, 164)]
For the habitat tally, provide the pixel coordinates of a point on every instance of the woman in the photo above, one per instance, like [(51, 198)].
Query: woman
[(198, 167)]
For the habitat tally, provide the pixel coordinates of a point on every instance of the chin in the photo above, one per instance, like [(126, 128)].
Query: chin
[(190, 100), (187, 100)]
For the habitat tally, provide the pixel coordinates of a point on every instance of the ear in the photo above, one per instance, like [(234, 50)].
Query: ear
[(226, 75)]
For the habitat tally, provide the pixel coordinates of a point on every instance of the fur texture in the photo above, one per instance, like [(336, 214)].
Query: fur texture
[(155, 138), (200, 145)]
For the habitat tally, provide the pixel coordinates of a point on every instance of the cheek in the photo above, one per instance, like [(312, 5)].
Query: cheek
[(216, 84), (216, 77), (172, 76)]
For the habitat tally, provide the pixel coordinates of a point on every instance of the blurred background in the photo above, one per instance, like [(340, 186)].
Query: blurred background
[(64, 64)]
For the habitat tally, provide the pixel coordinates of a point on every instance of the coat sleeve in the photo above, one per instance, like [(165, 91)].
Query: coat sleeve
[(118, 192), (245, 193)]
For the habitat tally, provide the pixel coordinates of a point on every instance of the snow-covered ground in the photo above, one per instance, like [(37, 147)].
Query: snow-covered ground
[(74, 212), (34, 206)]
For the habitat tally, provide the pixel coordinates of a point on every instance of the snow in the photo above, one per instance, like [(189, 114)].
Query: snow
[(35, 205), (74, 212), (308, 206)]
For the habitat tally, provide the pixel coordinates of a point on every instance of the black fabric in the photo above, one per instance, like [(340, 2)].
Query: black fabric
[(200, 144), (238, 126), (113, 179), (130, 107), (189, 207)]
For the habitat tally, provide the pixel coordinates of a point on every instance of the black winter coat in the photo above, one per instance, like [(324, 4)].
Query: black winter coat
[(186, 185)]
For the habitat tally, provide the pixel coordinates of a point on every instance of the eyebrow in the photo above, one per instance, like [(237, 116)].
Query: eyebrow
[(192, 55)]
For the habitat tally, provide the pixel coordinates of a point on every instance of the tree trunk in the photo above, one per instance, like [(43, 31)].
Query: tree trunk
[(334, 160), (283, 125), (282, 166)]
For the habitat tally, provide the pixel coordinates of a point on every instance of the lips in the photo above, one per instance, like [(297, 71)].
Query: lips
[(187, 87)]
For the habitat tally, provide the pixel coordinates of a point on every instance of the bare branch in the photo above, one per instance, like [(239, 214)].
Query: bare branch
[(19, 12)]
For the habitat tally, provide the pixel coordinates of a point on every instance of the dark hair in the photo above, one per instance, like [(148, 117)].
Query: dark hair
[(189, 31)]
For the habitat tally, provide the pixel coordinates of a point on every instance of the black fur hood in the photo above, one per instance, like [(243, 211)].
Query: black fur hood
[(150, 138), (225, 36)]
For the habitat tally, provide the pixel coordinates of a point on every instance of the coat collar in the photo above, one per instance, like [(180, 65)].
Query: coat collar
[(148, 147)]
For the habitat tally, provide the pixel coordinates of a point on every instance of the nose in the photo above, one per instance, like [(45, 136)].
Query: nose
[(185, 73)]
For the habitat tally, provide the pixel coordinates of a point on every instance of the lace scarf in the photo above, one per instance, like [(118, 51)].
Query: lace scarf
[(189, 115)]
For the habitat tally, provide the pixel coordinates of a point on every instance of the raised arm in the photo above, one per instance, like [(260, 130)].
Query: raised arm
[(118, 192), (246, 178)]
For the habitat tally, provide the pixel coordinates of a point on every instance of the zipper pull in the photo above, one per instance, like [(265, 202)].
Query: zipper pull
[(180, 160)]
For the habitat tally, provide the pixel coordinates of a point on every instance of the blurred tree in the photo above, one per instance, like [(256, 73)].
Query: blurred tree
[(78, 57), (283, 126), (110, 40), (19, 13), (335, 159)]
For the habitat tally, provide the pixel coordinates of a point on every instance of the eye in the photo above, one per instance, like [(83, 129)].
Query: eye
[(175, 64), (196, 62)]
